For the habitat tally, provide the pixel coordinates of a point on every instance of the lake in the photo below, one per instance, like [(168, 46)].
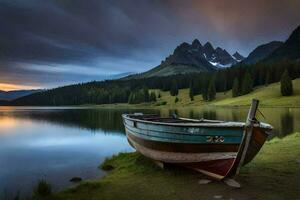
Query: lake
[(58, 143)]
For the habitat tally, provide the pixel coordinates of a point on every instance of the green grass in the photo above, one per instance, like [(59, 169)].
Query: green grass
[(273, 174), (42, 189), (268, 96)]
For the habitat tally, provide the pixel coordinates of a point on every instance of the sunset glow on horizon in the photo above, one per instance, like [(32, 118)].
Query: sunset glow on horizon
[(10, 87)]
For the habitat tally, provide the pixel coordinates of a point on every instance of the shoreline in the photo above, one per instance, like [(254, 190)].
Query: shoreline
[(145, 106), (273, 174)]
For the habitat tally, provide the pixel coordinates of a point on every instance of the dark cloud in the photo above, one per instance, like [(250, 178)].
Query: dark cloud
[(54, 42)]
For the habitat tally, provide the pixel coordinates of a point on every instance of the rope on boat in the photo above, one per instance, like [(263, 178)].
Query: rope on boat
[(261, 114)]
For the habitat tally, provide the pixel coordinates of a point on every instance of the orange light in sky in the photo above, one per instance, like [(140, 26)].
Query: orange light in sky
[(9, 87)]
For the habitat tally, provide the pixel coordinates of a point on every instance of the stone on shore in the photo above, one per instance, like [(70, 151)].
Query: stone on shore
[(75, 179)]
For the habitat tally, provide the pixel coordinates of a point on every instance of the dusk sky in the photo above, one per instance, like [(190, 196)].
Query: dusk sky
[(49, 43)]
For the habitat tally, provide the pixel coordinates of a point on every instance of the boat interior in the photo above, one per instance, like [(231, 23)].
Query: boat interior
[(172, 119)]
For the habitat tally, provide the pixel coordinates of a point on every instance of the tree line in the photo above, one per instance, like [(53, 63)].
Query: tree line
[(240, 78)]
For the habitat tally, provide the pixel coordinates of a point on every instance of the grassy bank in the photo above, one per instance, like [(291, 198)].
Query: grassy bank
[(269, 96), (273, 174)]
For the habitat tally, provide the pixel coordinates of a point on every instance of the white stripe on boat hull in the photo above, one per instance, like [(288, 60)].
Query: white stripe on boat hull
[(177, 157)]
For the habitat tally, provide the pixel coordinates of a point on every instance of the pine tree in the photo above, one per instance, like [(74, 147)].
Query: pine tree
[(145, 94), (139, 97), (247, 85), (176, 99), (204, 88), (159, 95), (268, 78), (174, 88), (286, 84), (131, 98), (197, 87), (225, 85), (204, 94), (235, 88), (211, 92), (165, 86), (152, 97), (191, 93)]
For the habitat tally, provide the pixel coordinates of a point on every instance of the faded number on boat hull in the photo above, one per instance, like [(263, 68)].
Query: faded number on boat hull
[(215, 139)]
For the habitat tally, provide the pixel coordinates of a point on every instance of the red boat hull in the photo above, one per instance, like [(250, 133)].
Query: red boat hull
[(217, 161)]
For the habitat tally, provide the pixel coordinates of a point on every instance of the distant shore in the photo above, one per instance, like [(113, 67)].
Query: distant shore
[(269, 96), (273, 174)]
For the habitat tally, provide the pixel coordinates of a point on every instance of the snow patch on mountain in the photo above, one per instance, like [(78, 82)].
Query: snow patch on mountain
[(219, 65), (213, 63), (238, 57)]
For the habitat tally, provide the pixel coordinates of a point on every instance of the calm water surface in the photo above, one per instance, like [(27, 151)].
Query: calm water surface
[(57, 144)]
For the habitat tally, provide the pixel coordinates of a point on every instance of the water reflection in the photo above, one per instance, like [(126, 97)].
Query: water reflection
[(93, 119), (6, 123), (209, 114), (284, 120), (60, 143), (287, 122), (56, 145)]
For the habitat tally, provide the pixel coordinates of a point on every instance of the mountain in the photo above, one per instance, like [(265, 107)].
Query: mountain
[(261, 52), (220, 58), (14, 94), (118, 76), (238, 57), (191, 58), (290, 49)]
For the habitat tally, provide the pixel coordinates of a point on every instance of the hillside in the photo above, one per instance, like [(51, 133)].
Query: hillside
[(10, 95), (169, 70), (289, 50), (261, 52), (268, 96)]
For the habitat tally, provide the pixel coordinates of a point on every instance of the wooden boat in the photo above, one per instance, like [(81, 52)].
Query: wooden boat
[(215, 148)]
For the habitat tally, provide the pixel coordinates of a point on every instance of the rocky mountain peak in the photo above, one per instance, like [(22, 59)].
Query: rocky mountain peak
[(222, 58), (238, 57), (219, 50), (295, 34), (183, 47), (196, 44), (208, 50), (195, 54), (208, 46)]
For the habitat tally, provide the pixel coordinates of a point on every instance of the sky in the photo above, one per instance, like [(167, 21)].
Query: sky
[(50, 43)]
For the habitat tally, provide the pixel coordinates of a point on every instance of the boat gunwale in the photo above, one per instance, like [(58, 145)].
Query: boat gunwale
[(219, 124), (127, 126)]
